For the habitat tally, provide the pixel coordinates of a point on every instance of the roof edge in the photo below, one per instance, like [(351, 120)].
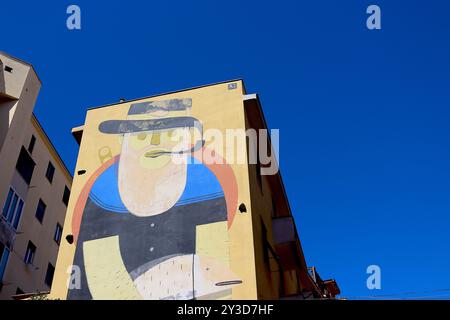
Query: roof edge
[(170, 92), (58, 156), (255, 96), (23, 62)]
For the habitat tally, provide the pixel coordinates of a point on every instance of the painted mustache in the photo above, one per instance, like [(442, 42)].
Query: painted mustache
[(159, 152), (228, 283), (155, 153)]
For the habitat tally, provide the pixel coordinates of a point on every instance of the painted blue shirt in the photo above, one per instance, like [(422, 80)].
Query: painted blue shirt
[(201, 185)]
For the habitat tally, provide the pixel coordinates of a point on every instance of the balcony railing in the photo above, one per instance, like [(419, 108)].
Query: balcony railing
[(7, 233), (286, 242)]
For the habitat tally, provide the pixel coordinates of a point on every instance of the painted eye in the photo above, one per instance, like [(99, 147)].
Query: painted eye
[(142, 136)]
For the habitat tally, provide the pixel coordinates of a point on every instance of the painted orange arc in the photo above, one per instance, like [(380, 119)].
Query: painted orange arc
[(227, 179), (84, 194), (222, 171)]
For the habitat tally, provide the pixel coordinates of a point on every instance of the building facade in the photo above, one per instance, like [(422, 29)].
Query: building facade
[(154, 215), (34, 186)]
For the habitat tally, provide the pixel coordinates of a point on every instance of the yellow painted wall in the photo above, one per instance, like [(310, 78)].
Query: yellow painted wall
[(217, 107)]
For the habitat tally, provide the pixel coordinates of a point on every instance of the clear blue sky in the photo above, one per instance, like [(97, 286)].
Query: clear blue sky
[(364, 115)]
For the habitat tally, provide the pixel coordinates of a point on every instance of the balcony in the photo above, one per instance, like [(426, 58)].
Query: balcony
[(287, 244), (328, 288), (7, 233)]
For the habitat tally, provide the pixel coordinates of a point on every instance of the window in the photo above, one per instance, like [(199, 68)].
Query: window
[(32, 143), (18, 214), (58, 234), (40, 211), (49, 275), (8, 202), (8, 69), (4, 254), (12, 210), (66, 195), (30, 253), (25, 165), (50, 172)]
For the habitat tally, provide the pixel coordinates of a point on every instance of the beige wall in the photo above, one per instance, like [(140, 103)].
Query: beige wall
[(24, 88), (14, 82), (31, 278), (24, 85)]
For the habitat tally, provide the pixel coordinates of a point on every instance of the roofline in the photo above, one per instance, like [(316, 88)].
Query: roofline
[(258, 100), (335, 282), (23, 62), (171, 92), (58, 157)]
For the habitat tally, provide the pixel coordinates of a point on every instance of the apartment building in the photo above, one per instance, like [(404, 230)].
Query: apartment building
[(148, 219), (34, 186)]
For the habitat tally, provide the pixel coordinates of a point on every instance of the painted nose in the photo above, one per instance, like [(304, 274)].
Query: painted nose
[(156, 139)]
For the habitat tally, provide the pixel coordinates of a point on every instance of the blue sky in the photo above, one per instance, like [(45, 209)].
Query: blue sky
[(363, 115)]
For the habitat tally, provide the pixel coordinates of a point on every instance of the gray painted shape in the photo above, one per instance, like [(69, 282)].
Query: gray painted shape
[(173, 233), (165, 105), (130, 126)]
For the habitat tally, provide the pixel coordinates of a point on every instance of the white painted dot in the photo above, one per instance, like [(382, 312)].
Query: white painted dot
[(152, 225), (151, 249)]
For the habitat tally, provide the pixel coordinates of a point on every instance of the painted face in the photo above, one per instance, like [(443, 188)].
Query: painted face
[(150, 179)]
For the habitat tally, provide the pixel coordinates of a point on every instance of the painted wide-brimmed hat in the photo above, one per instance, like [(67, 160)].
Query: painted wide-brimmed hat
[(139, 119)]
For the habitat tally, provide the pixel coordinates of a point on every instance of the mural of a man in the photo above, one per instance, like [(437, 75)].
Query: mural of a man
[(152, 227)]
